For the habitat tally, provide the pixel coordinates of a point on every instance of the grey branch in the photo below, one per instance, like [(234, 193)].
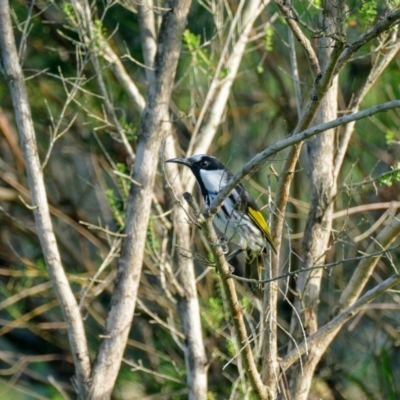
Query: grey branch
[(219, 91), (286, 10), (228, 285), (388, 21), (151, 133), (258, 160), (325, 334), (69, 307), (366, 267), (188, 303)]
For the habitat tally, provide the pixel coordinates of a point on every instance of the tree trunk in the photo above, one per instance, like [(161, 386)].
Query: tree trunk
[(321, 155)]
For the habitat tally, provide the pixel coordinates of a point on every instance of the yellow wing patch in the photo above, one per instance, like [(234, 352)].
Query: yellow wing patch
[(257, 217)]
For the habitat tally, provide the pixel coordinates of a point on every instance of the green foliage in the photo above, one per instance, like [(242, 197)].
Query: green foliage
[(115, 206), (129, 128), (385, 373), (245, 301), (212, 395), (190, 40), (192, 44), (282, 20), (390, 177), (368, 11), (268, 38), (122, 183), (231, 348), (215, 313), (68, 11), (210, 257), (40, 265), (390, 136), (224, 73), (153, 243), (116, 202), (100, 31)]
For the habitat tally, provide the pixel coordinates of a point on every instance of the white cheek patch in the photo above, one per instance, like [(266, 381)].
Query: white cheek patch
[(213, 180)]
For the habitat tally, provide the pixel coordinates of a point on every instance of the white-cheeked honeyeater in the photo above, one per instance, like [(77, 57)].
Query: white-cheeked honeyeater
[(239, 219)]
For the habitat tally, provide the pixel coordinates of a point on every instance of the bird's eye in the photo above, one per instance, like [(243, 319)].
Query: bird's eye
[(204, 164)]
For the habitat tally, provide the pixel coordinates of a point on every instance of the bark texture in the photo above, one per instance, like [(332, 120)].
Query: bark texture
[(151, 134), (188, 302), (321, 172), (40, 206)]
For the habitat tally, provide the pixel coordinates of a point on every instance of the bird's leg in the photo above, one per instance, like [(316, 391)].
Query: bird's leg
[(230, 256), (224, 244), (225, 248)]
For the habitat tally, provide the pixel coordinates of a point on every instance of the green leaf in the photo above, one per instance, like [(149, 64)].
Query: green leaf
[(192, 43), (268, 38), (385, 370), (114, 203), (368, 11), (191, 40), (389, 136), (390, 177), (224, 73)]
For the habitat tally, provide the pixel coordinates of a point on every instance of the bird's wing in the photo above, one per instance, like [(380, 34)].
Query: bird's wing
[(257, 217), (246, 203)]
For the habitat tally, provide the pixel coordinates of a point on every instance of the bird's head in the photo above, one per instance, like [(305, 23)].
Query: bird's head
[(210, 173), (199, 162)]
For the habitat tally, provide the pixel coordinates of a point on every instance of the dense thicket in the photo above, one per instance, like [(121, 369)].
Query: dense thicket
[(246, 79)]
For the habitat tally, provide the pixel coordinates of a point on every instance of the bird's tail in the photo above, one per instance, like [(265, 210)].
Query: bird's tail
[(254, 266)]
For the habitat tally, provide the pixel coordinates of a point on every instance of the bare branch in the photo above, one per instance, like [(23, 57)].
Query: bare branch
[(364, 270), (295, 72), (228, 284), (258, 160), (65, 296), (188, 303), (286, 10), (379, 66), (149, 37), (351, 48), (314, 267), (219, 90), (82, 9), (324, 336), (321, 86), (151, 134)]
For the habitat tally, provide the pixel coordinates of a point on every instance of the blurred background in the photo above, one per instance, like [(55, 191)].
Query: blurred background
[(82, 152)]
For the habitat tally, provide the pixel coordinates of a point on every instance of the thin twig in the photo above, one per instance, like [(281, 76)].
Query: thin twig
[(187, 302), (366, 267), (351, 48), (246, 355), (219, 91), (258, 160), (314, 267), (302, 39), (65, 296), (326, 333), (151, 134)]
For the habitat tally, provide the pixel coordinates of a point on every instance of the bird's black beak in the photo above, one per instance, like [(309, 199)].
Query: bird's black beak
[(183, 161)]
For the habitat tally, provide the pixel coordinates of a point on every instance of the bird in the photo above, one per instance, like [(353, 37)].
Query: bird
[(239, 219)]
